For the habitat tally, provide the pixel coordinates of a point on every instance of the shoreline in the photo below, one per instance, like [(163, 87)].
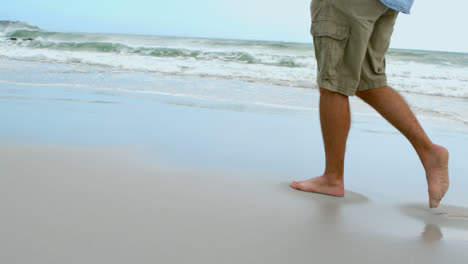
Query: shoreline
[(191, 132)]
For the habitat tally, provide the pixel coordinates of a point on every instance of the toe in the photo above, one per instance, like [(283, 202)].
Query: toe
[(434, 203)]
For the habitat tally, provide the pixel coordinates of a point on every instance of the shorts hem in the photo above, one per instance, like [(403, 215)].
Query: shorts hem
[(327, 84), (365, 85)]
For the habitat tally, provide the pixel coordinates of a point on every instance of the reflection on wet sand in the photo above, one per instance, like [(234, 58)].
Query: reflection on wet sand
[(353, 213), (431, 233), (447, 217), (330, 206)]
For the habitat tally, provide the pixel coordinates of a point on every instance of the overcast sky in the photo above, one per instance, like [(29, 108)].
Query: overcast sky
[(433, 24)]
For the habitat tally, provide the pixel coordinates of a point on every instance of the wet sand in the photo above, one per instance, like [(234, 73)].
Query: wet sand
[(64, 204), (94, 175)]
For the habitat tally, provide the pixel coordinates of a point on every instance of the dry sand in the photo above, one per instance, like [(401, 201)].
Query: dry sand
[(63, 204)]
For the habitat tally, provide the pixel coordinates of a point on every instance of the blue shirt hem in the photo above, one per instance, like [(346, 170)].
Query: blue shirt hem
[(403, 6)]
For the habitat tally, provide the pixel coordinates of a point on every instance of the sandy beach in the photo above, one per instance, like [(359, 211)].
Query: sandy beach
[(103, 204), (97, 175)]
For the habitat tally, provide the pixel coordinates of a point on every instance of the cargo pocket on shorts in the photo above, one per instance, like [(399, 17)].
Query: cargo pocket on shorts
[(330, 38)]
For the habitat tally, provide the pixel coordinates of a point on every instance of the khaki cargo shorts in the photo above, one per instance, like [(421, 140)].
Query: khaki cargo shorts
[(350, 40)]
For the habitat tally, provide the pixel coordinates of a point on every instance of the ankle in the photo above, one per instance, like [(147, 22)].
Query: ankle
[(432, 158), (426, 154), (333, 178)]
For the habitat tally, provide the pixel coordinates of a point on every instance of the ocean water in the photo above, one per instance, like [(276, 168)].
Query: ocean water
[(435, 83)]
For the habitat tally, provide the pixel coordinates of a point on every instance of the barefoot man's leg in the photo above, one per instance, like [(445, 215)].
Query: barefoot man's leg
[(335, 122), (433, 157)]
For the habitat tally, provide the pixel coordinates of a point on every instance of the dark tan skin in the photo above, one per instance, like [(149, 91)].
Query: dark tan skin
[(335, 123)]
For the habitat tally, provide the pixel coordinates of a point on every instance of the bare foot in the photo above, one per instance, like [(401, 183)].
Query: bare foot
[(320, 185), (437, 174)]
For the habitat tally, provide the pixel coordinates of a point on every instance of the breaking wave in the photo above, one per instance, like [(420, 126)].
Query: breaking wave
[(280, 63)]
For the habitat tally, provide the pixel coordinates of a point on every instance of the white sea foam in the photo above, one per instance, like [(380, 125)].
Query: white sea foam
[(44, 84), (266, 62), (420, 74)]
